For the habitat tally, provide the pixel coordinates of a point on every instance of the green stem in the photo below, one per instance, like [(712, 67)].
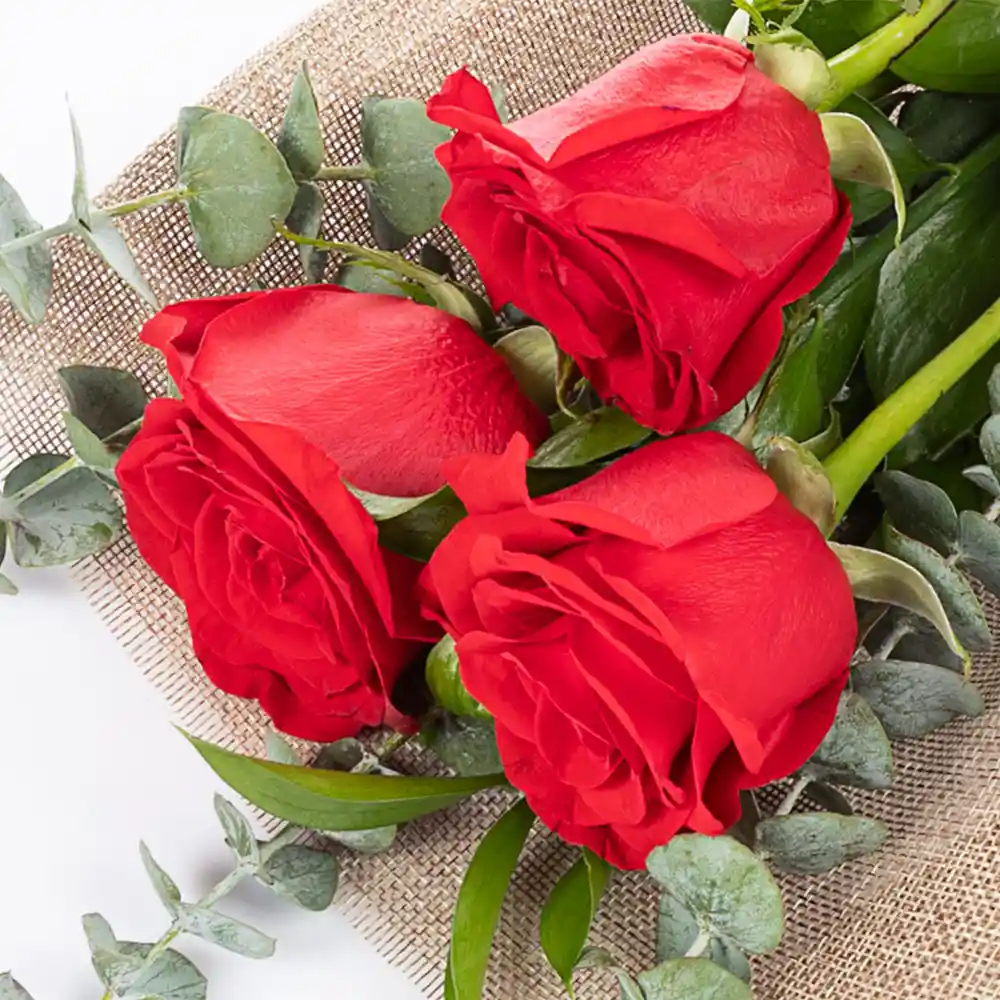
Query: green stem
[(38, 236), (850, 465), (872, 56), (700, 945), (350, 172), (802, 782), (167, 197)]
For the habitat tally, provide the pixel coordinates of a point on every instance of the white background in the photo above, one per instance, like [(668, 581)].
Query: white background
[(88, 761)]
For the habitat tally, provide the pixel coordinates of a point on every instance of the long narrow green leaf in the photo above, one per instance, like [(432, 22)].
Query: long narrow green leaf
[(334, 800), (477, 910), (569, 912)]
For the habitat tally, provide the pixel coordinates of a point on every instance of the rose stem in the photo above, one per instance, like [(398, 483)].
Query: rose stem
[(850, 465), (872, 56)]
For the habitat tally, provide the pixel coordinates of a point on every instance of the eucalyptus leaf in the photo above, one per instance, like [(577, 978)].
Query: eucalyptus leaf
[(691, 979), (329, 800), (919, 509), (569, 912), (7, 586), (913, 699), (957, 597), (979, 549), (385, 235), (104, 400), (279, 749), (677, 931), (361, 277), (238, 183), (480, 899), (81, 199), (728, 891), (628, 988), (86, 445), (375, 841), (164, 885), (102, 236), (301, 139), (828, 797), (532, 355), (399, 140), (882, 578), (467, 745), (98, 932), (172, 976), (239, 834), (306, 218), (989, 442), (444, 678), (595, 435), (305, 875), (26, 274), (436, 260), (856, 750), (812, 843), (11, 989), (224, 931)]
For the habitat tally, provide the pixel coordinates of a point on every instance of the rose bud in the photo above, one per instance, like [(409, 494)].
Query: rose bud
[(656, 221), (236, 497), (649, 641)]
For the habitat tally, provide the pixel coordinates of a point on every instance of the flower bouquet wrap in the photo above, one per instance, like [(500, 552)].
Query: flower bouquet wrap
[(550, 459)]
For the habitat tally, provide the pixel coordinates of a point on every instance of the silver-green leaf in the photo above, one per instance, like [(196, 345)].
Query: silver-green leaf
[(919, 509), (238, 183), (302, 874), (812, 843), (102, 236), (468, 745), (726, 888), (239, 834), (172, 976), (985, 478), (301, 139), (306, 218), (856, 750), (692, 979), (164, 885), (11, 989), (913, 699), (81, 199), (279, 749), (979, 549), (86, 445), (226, 932), (677, 930), (104, 400), (25, 274)]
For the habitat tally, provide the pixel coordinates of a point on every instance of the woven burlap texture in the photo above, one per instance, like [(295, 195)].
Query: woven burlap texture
[(921, 921)]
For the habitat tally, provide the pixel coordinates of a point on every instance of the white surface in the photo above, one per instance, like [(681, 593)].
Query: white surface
[(88, 761)]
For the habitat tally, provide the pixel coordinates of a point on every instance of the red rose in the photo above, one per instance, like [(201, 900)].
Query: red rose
[(656, 221), (235, 496), (649, 641)]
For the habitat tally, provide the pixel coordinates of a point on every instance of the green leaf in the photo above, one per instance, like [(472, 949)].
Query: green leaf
[(30, 471), (384, 233), (102, 236), (218, 929), (416, 531), (989, 441), (692, 979), (399, 140), (882, 578), (480, 898), (304, 875), (11, 989), (98, 932), (979, 549), (728, 891), (301, 139), (25, 275), (914, 699), (279, 749), (593, 436), (919, 509), (81, 199), (812, 843), (239, 834), (569, 912), (791, 60), (856, 750), (172, 976), (677, 931), (306, 218), (445, 681), (828, 797), (7, 586), (800, 476), (104, 400), (87, 446), (329, 800), (467, 746), (947, 127), (857, 155), (959, 601), (924, 644), (69, 516), (532, 355), (164, 885), (238, 183), (359, 276)]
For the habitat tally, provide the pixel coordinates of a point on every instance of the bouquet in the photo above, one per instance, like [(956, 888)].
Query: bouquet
[(663, 520)]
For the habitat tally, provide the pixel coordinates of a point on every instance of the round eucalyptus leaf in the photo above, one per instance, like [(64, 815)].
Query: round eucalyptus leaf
[(812, 843), (913, 699), (104, 400), (677, 930), (989, 442), (979, 549), (279, 750), (384, 233), (959, 601), (856, 750), (444, 678), (238, 184), (26, 274), (375, 841), (467, 745), (11, 989), (7, 586), (301, 139), (725, 887), (436, 260), (692, 979), (532, 355), (919, 509), (86, 445), (828, 797), (30, 471), (305, 218), (985, 478), (408, 183), (172, 976), (103, 237), (306, 876)]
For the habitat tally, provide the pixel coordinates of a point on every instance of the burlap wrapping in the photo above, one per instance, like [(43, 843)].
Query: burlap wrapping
[(919, 922)]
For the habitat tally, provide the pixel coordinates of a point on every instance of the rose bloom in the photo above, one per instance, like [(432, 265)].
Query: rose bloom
[(656, 221), (236, 496), (649, 641)]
